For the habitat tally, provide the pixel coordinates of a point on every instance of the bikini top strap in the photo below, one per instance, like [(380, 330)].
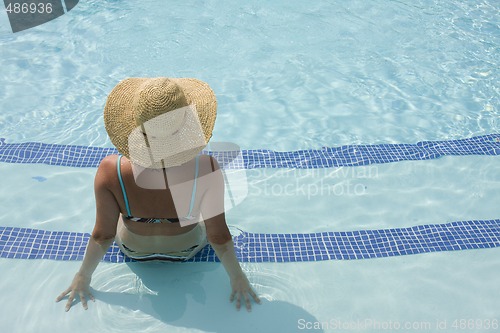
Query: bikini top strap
[(193, 194), (118, 170)]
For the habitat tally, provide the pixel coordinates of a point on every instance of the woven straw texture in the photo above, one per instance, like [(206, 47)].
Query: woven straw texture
[(177, 116)]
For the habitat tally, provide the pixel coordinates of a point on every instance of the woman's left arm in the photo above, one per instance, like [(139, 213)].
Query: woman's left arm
[(107, 214)]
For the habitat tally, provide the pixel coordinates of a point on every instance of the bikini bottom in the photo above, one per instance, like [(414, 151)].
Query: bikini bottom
[(195, 240)]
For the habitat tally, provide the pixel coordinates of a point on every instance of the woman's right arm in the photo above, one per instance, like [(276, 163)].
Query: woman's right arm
[(220, 239)]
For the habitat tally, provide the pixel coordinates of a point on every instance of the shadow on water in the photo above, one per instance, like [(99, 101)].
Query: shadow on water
[(184, 295)]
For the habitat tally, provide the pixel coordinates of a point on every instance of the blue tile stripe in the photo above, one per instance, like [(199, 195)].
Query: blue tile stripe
[(350, 155), (25, 243)]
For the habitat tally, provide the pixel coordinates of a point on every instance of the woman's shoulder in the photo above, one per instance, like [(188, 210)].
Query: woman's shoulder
[(208, 166), (108, 162), (209, 160), (106, 170)]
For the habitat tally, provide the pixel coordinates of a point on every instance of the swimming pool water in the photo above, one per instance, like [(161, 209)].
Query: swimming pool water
[(288, 76), (325, 73)]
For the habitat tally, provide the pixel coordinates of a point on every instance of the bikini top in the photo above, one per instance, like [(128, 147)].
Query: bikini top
[(156, 220)]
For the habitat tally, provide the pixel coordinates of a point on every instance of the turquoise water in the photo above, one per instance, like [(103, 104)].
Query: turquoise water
[(324, 73), (288, 75)]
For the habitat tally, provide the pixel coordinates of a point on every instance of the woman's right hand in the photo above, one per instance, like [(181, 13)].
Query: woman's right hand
[(241, 289), (81, 287)]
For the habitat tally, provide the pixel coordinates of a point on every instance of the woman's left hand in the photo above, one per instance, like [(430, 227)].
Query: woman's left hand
[(81, 287), (241, 289)]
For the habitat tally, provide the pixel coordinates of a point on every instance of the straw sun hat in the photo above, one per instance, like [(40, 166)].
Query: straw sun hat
[(160, 122)]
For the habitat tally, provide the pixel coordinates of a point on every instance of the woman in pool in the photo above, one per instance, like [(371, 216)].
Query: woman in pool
[(159, 199)]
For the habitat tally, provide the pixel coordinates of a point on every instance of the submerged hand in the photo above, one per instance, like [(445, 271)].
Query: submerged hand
[(80, 286), (242, 289)]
